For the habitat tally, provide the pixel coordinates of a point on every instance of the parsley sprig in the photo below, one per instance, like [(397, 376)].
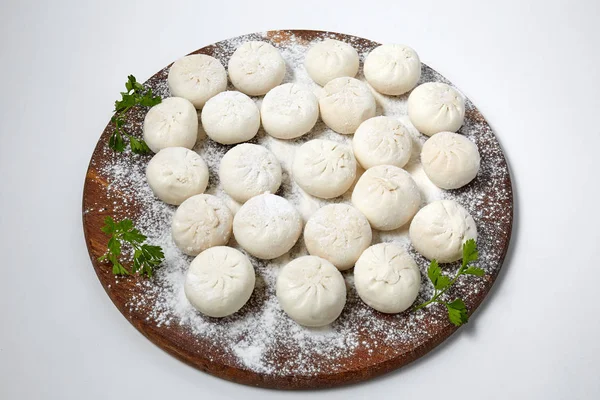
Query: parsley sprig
[(457, 311), (134, 96), (145, 257)]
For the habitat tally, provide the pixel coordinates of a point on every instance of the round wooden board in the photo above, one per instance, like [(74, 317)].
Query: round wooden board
[(490, 201)]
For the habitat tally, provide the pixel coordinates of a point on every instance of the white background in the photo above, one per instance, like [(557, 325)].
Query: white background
[(532, 68)]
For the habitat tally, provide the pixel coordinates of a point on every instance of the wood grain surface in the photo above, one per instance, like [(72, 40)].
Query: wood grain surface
[(496, 214)]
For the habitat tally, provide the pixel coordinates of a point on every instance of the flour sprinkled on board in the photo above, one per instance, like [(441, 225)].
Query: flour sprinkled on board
[(260, 337)]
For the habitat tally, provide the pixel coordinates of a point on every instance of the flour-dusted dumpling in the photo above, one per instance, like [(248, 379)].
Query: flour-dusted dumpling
[(267, 226), (171, 123), (435, 107), (197, 77), (439, 230), (200, 222), (248, 170), (382, 141), (387, 278), (289, 111), (393, 69), (230, 118), (345, 104), (176, 173), (219, 281), (255, 68), (450, 160), (338, 233), (324, 168), (331, 59), (388, 196), (311, 291)]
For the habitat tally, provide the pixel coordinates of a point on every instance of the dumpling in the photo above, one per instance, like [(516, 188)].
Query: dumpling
[(331, 59), (289, 111), (311, 291), (197, 78), (345, 104), (387, 278), (255, 68), (175, 174), (436, 107), (230, 118), (267, 226), (450, 160), (200, 222), (440, 229), (171, 123), (338, 233), (380, 141), (324, 168), (248, 170), (219, 281), (388, 196), (392, 69)]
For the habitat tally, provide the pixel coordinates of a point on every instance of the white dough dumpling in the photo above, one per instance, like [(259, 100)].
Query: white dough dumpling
[(345, 104), (219, 281), (200, 222), (387, 278), (324, 168), (382, 141), (450, 160), (435, 107), (230, 118), (392, 69), (388, 196), (267, 226), (174, 174), (440, 229), (255, 68), (171, 123), (248, 170), (289, 111), (331, 59), (338, 233), (311, 291), (197, 78)]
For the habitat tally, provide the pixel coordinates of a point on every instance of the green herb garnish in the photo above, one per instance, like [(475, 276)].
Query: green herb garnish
[(457, 311), (135, 95), (145, 257)]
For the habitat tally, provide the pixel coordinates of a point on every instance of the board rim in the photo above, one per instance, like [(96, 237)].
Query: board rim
[(258, 379)]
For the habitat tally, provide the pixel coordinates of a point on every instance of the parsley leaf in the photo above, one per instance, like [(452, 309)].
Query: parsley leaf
[(138, 146), (457, 312), (127, 101), (109, 226), (130, 84), (125, 225), (442, 282), (434, 272), (474, 271), (133, 236), (135, 95), (114, 246), (149, 100), (117, 268), (470, 253), (116, 142), (145, 257)]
